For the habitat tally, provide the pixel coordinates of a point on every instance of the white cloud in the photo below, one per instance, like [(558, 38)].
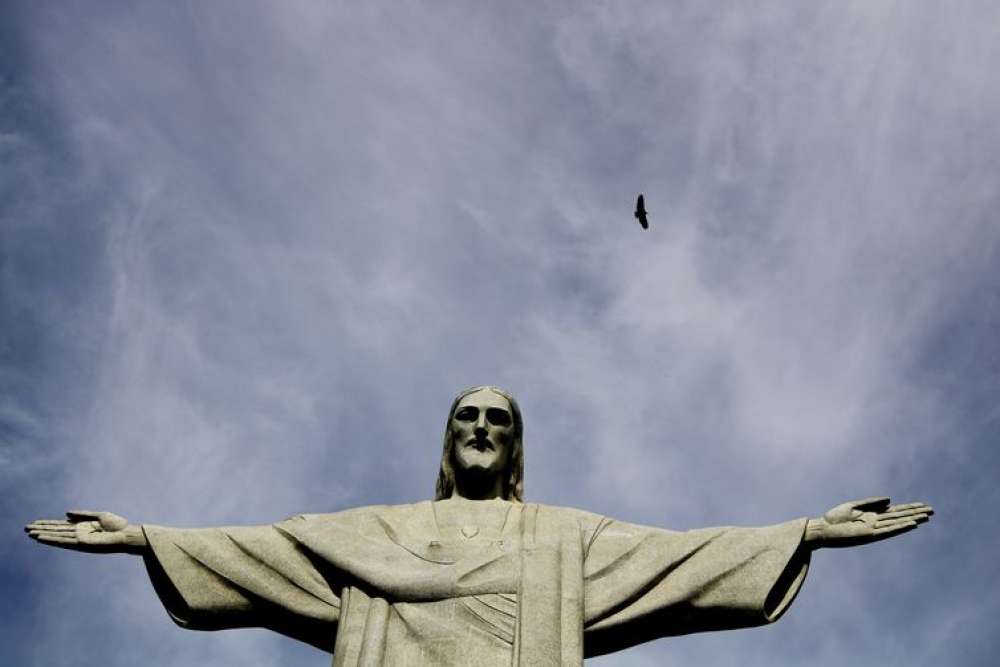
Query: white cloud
[(314, 226)]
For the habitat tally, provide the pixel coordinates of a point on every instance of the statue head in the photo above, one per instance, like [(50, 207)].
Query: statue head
[(483, 437)]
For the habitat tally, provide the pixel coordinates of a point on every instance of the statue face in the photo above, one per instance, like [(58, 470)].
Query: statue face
[(482, 429)]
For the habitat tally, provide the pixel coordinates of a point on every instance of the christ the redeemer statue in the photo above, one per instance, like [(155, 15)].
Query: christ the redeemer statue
[(478, 576)]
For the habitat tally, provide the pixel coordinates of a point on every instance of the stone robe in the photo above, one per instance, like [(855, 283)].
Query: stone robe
[(382, 586)]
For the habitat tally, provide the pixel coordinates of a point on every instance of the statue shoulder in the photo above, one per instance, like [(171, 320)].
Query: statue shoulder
[(588, 521), (360, 515), (378, 523)]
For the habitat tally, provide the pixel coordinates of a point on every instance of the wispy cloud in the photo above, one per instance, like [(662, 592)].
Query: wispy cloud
[(252, 252)]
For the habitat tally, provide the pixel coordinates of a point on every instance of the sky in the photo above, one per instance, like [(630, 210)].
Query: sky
[(250, 251)]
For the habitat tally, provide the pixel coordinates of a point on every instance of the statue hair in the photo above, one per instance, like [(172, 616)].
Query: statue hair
[(513, 482)]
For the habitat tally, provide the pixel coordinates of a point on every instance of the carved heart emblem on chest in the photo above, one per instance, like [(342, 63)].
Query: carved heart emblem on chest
[(470, 531)]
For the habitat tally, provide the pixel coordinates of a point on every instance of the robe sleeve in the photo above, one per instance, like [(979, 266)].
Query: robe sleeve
[(642, 583), (260, 576)]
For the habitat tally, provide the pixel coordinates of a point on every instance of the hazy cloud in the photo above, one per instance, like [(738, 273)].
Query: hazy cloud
[(250, 252)]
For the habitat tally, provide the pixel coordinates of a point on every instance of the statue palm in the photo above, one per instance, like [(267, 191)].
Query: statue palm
[(865, 521), (92, 532)]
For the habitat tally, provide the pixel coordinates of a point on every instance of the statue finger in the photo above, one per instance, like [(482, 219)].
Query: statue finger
[(895, 528), (842, 513), (904, 506), (45, 534), (51, 522), (923, 507), (895, 522), (110, 521), (83, 515), (47, 523), (914, 511), (56, 539), (872, 504), (913, 508), (919, 517), (55, 528)]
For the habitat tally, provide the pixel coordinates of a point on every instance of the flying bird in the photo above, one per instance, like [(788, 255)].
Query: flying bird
[(640, 212)]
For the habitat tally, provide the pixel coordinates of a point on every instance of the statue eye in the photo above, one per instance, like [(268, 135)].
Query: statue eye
[(467, 414), (498, 417)]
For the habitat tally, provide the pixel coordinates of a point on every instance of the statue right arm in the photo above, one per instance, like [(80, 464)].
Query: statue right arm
[(214, 578), (242, 576), (91, 532)]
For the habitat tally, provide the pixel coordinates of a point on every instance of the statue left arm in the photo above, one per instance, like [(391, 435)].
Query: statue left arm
[(641, 582), (863, 522)]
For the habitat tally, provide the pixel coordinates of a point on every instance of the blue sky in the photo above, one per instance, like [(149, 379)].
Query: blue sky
[(250, 251)]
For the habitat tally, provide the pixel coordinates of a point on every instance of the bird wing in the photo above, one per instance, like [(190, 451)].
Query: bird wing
[(640, 212)]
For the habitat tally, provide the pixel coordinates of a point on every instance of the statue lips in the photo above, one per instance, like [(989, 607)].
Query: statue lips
[(481, 444)]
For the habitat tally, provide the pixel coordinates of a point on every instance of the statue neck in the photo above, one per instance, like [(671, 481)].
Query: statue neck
[(478, 487)]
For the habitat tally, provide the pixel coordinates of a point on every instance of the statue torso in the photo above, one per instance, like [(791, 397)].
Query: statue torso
[(473, 629)]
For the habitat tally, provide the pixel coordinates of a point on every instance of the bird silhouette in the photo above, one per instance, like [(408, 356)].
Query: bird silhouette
[(640, 212)]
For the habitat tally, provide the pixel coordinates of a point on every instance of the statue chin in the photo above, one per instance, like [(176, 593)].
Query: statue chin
[(477, 463), (476, 474)]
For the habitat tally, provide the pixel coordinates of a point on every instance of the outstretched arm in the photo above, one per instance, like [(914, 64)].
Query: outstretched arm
[(864, 521), (214, 578), (92, 532)]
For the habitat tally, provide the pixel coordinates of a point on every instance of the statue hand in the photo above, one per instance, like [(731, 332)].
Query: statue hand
[(92, 532), (865, 521)]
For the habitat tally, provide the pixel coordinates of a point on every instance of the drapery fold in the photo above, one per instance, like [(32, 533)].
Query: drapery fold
[(352, 582)]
